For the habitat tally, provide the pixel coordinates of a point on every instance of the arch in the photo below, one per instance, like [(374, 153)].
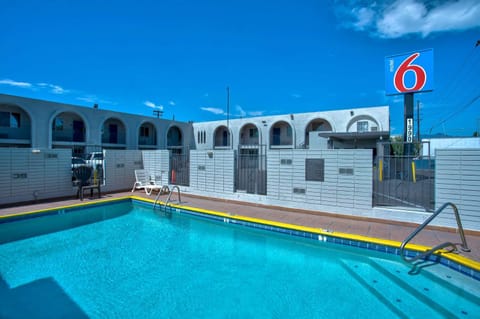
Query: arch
[(316, 125), (222, 137), (174, 137), (113, 131), (147, 135), (249, 135), (364, 123), (281, 135), (67, 126), (15, 125)]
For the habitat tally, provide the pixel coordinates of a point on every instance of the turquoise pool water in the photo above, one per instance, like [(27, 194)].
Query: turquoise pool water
[(125, 261)]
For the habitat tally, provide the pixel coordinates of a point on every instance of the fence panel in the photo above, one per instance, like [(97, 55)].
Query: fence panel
[(251, 174), (179, 167), (404, 180)]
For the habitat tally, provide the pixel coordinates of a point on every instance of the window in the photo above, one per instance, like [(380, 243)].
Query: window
[(144, 131), (289, 131), (9, 119), (58, 124), (201, 137), (362, 126), (15, 120), (276, 136), (253, 132)]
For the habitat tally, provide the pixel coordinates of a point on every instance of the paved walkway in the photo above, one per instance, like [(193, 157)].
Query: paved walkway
[(361, 226)]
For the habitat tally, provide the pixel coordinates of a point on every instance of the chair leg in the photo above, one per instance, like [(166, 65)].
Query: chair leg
[(134, 186)]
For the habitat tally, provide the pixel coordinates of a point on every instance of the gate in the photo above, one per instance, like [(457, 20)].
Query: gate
[(92, 156), (251, 173), (404, 180), (179, 167)]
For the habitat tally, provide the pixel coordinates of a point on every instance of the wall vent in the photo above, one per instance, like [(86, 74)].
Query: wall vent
[(345, 171), (315, 169), (298, 190)]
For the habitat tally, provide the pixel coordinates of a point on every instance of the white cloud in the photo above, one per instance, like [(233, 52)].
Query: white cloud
[(213, 110), (55, 89), (16, 83), (296, 95), (240, 111), (153, 105), (172, 103), (89, 98), (398, 18), (256, 113)]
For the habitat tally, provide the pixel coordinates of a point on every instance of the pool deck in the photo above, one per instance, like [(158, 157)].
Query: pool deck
[(375, 228)]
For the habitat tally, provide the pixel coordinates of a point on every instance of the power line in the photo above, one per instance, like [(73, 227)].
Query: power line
[(475, 99), (455, 84)]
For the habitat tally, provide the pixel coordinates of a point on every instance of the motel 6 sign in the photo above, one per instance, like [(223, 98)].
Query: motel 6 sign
[(409, 73)]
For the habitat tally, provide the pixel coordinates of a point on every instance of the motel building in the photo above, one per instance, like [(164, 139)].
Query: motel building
[(31, 123), (320, 161)]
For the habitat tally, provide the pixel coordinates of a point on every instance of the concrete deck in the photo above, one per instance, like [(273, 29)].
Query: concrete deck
[(360, 226)]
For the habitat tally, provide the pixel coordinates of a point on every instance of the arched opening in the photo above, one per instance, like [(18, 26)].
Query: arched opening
[(113, 133), (147, 136), (68, 127), (316, 125), (221, 137), (249, 135), (362, 124), (281, 135), (174, 138), (15, 127)]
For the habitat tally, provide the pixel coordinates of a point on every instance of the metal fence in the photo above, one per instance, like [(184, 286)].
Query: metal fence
[(179, 167), (251, 171), (92, 156), (402, 180)]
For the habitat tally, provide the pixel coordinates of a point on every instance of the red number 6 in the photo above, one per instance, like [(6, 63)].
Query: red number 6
[(406, 66)]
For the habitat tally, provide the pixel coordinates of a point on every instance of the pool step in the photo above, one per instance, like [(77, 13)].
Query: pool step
[(401, 301), (427, 286)]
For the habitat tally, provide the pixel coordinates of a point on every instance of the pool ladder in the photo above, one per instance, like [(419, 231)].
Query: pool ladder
[(168, 198), (427, 253)]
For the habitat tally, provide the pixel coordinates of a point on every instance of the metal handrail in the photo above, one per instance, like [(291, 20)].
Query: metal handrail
[(164, 187), (464, 245), (170, 195)]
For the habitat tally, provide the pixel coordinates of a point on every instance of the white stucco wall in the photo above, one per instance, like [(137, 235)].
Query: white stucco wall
[(342, 121)]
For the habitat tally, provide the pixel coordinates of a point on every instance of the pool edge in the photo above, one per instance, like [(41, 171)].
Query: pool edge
[(361, 241)]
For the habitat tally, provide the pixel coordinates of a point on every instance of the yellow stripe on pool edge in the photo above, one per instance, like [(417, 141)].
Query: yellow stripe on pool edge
[(385, 242), (464, 261), (39, 211)]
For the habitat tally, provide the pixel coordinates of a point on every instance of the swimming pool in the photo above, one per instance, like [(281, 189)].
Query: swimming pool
[(123, 260)]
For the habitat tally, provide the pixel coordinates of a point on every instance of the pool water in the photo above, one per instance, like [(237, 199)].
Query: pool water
[(134, 263)]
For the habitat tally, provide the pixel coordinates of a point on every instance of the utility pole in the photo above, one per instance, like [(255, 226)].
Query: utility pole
[(418, 121), (228, 109), (158, 113)]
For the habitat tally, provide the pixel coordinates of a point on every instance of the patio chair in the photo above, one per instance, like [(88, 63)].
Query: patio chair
[(83, 177), (145, 182)]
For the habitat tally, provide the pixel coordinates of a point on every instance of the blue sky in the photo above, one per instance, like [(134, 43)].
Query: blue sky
[(277, 57)]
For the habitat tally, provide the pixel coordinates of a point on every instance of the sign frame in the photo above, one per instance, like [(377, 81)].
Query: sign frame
[(409, 72)]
